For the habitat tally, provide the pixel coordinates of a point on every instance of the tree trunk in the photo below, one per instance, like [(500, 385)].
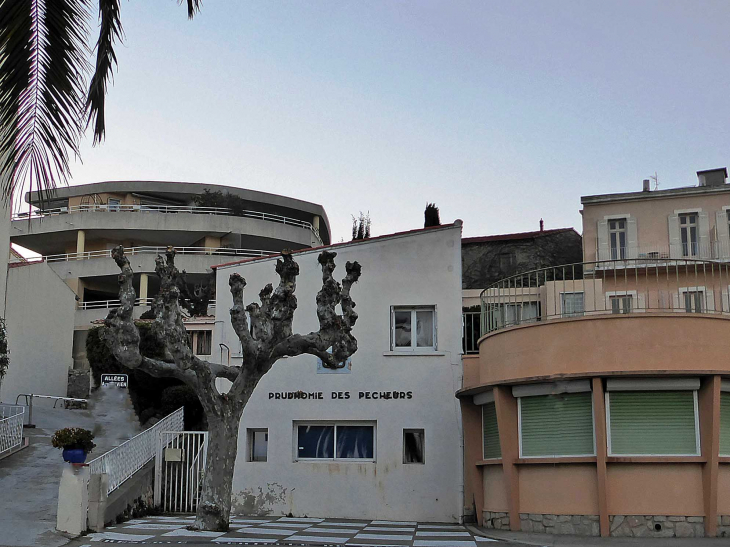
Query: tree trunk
[(214, 508)]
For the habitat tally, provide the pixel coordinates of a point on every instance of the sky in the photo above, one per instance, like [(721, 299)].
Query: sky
[(501, 113)]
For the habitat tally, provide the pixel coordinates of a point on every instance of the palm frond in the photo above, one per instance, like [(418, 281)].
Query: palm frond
[(193, 7), (42, 79), (109, 34)]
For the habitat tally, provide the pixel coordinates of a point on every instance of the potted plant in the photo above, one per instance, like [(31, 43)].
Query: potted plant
[(76, 443)]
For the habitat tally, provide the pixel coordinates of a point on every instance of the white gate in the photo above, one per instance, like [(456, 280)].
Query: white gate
[(179, 468)]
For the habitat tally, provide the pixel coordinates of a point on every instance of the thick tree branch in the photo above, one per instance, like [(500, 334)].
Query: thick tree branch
[(238, 318)]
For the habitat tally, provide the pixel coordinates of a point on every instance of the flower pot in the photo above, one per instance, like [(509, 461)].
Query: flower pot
[(74, 455)]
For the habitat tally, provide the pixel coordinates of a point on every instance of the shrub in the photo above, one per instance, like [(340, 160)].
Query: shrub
[(73, 438)]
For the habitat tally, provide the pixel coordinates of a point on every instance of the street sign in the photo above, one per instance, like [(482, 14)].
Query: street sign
[(118, 380)]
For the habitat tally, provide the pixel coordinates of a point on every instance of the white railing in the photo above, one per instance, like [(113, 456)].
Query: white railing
[(715, 250), (11, 427), (109, 304), (125, 460), (201, 251), (170, 209)]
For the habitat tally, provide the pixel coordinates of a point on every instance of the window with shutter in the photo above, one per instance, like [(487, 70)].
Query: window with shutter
[(490, 432), (724, 423), (657, 423), (556, 425)]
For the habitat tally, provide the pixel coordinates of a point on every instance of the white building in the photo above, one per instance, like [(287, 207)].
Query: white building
[(380, 439)]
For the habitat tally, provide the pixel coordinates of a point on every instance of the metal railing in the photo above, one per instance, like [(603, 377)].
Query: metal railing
[(11, 427), (607, 287), (55, 398), (471, 331), (109, 304), (169, 209), (200, 251), (698, 250), (125, 460)]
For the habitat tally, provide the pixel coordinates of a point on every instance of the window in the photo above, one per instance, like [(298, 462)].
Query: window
[(688, 233), (335, 441), (258, 442), (113, 204), (490, 433), (413, 328), (413, 446), (203, 341), (657, 423), (620, 303), (617, 238), (556, 425), (724, 423), (693, 301), (572, 303)]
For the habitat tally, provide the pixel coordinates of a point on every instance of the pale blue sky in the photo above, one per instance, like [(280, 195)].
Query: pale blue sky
[(500, 112)]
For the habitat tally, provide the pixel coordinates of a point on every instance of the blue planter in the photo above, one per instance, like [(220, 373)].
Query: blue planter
[(74, 455)]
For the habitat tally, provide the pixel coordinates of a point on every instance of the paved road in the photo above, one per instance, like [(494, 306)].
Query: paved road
[(289, 531)]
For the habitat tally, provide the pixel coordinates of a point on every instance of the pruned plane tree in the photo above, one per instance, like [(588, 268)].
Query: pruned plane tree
[(267, 338)]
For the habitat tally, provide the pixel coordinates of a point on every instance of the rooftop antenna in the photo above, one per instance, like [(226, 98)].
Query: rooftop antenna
[(655, 178)]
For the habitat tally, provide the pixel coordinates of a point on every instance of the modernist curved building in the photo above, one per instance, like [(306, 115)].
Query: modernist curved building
[(599, 402), (78, 226)]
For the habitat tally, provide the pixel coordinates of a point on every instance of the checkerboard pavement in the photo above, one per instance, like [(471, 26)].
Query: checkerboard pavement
[(290, 532)]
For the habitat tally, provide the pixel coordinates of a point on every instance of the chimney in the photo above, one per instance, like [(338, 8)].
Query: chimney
[(712, 177), (647, 185), (542, 225)]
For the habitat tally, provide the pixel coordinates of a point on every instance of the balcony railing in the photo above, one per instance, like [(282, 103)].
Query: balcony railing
[(659, 285), (471, 331), (109, 304), (170, 209), (107, 253), (714, 250)]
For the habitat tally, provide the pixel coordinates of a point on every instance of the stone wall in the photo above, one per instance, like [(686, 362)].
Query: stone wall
[(658, 526), (495, 520), (723, 526), (581, 525)]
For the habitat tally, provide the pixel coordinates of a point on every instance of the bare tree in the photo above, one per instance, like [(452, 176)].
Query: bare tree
[(268, 338)]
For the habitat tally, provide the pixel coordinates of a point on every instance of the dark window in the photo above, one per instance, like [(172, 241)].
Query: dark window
[(259, 443), (413, 446), (316, 441), (336, 441), (205, 340)]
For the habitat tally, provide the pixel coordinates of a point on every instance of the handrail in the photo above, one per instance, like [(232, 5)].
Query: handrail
[(122, 462), (107, 253), (108, 304), (628, 286), (11, 431), (29, 402), (177, 209)]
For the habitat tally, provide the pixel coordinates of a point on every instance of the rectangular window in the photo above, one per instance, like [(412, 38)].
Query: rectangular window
[(258, 442), (414, 446), (204, 341), (620, 303), (413, 328), (688, 233), (556, 425), (617, 238), (490, 433), (657, 423), (724, 423), (572, 304), (693, 301), (336, 441), (113, 204)]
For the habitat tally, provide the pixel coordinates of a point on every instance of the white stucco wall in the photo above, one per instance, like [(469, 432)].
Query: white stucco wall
[(4, 251), (417, 268), (40, 323)]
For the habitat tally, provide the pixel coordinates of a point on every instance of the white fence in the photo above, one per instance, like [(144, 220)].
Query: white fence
[(179, 468), (129, 251), (125, 460), (11, 427)]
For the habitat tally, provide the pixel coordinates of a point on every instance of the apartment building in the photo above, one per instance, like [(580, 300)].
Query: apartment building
[(380, 438), (75, 229), (599, 401)]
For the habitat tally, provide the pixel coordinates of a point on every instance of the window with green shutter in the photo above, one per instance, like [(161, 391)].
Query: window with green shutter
[(556, 425), (724, 423), (490, 432), (658, 423)]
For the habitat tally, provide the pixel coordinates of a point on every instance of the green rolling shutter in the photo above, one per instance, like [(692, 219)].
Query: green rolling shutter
[(725, 423), (557, 425), (652, 422), (490, 432)]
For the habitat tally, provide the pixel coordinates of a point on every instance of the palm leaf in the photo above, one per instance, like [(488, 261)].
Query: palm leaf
[(110, 33), (42, 79), (193, 7)]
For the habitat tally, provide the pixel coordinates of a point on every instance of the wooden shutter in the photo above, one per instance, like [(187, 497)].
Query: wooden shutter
[(602, 241), (675, 243), (490, 432), (632, 238), (556, 425), (722, 249), (724, 424), (660, 423), (704, 232)]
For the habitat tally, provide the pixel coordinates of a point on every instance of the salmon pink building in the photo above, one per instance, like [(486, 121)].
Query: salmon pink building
[(599, 401)]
